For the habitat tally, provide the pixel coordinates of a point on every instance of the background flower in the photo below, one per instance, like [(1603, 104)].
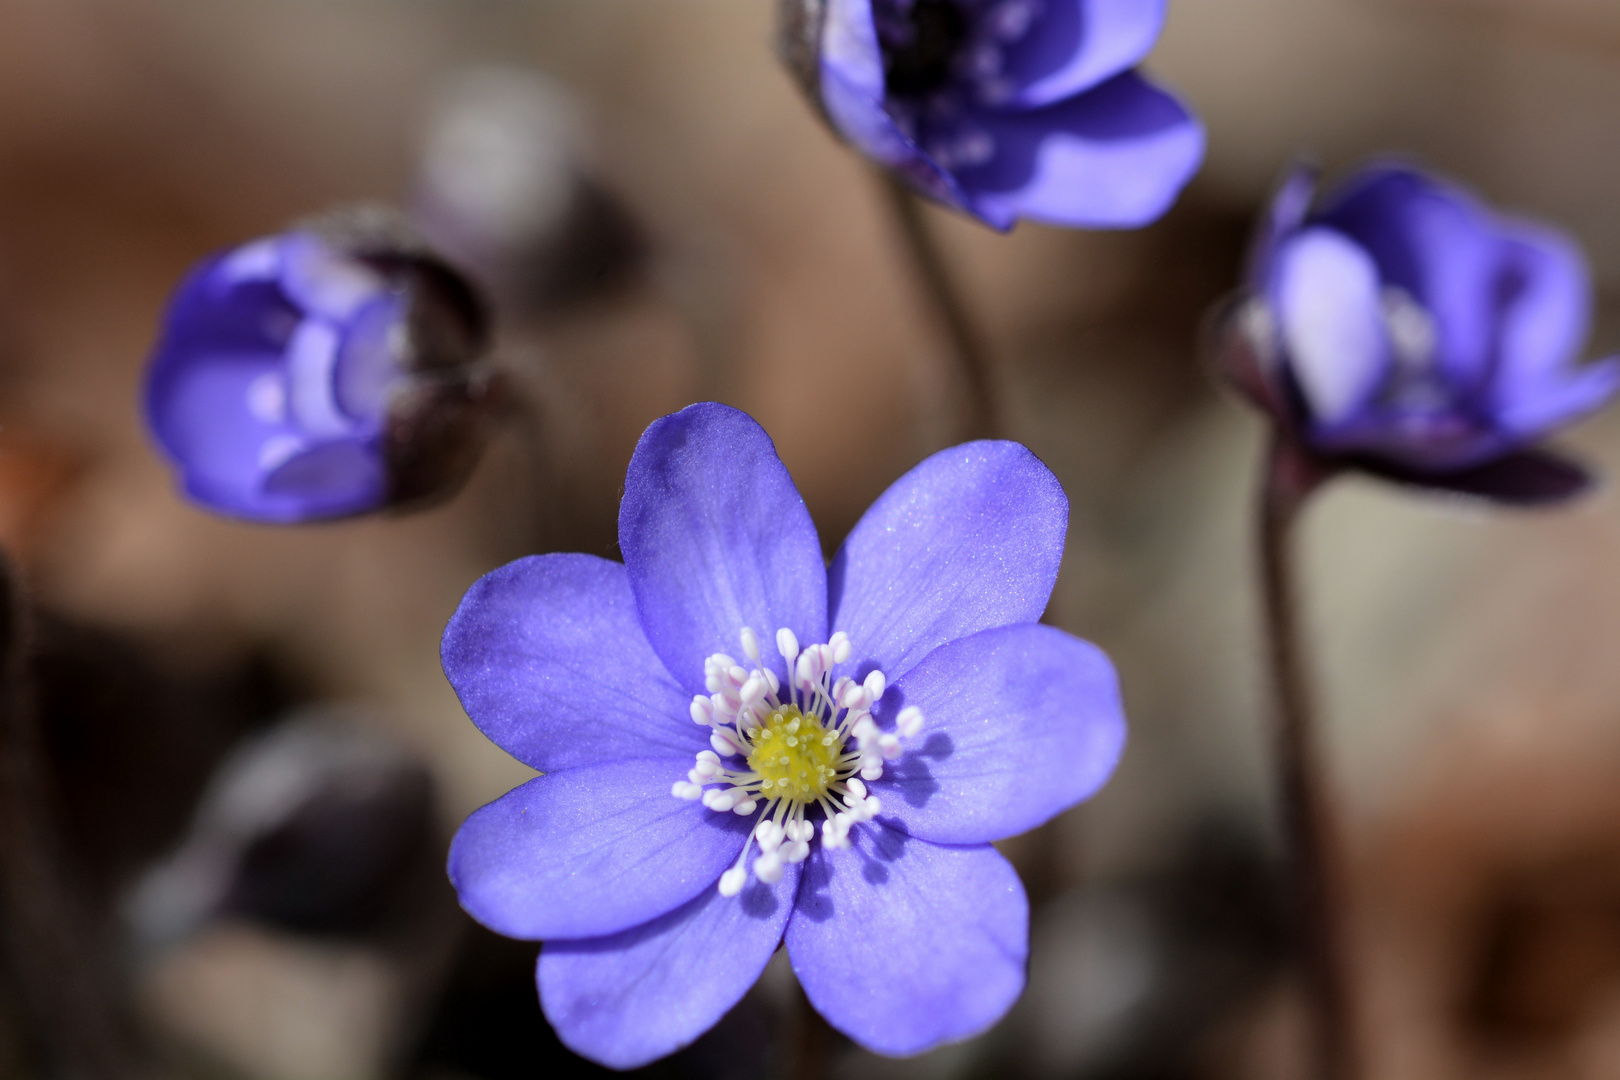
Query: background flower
[(1005, 109), (912, 933), (1406, 329), (319, 373)]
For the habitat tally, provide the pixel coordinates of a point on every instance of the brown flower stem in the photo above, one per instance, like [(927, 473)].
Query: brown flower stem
[(807, 1047), (48, 929), (966, 343), (1308, 829)]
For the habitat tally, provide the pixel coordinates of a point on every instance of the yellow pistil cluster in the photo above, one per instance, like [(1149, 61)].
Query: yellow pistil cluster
[(794, 756)]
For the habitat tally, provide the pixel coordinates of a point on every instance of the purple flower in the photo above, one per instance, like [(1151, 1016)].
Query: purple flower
[(838, 790), (319, 373), (1005, 109), (1406, 329)]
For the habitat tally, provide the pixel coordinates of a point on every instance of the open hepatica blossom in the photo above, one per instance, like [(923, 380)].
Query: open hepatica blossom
[(327, 371), (1405, 329), (742, 746), (1005, 109)]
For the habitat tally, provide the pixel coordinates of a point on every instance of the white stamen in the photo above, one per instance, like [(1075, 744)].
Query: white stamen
[(719, 801), (770, 835), (732, 881), (816, 750), (1411, 329), (725, 743), (806, 673), (768, 867), (875, 684), (787, 643)]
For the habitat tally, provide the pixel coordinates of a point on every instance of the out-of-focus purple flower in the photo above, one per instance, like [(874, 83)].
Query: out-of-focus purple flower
[(1406, 329), (839, 790), (1005, 109), (320, 373)]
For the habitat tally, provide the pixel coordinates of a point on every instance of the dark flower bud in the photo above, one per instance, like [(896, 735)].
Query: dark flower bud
[(331, 370)]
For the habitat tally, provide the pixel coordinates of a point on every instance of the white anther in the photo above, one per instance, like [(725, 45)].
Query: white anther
[(750, 644), (853, 697), (871, 769), (769, 867), (890, 747), (787, 643), (871, 808), (805, 672), (834, 834), (719, 801), (753, 691), (684, 790), (703, 711), (824, 658), (736, 675), (732, 881), (857, 790), (840, 647), (909, 722), (744, 808), (795, 851), (726, 743), (806, 831), (876, 683), (775, 683), (770, 835)]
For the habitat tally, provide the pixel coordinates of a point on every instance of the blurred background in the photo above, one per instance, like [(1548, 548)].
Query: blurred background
[(257, 761)]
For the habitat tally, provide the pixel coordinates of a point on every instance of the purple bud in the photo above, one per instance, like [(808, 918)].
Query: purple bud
[(328, 371)]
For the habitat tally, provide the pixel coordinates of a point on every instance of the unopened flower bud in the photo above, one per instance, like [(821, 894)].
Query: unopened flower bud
[(331, 370)]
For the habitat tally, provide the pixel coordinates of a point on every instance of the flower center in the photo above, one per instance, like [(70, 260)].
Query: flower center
[(810, 750), (920, 45), (795, 756)]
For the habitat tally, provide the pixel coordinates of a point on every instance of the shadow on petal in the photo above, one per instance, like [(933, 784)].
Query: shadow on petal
[(912, 776), (758, 900)]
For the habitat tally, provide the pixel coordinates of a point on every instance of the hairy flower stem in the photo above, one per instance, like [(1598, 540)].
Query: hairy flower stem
[(48, 935), (967, 345), (1307, 819)]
